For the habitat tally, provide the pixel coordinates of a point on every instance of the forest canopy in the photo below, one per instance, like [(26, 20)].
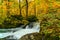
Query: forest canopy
[(13, 11)]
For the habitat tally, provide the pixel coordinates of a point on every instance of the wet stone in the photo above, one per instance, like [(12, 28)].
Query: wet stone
[(32, 36)]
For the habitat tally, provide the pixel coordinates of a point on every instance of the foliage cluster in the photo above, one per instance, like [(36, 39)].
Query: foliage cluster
[(17, 20), (32, 18), (50, 25), (13, 13)]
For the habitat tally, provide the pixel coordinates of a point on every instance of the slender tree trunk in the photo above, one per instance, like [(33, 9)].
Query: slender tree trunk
[(26, 8), (34, 7), (20, 6), (8, 7)]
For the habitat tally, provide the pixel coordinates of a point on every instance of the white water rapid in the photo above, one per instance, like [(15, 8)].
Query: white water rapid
[(21, 32)]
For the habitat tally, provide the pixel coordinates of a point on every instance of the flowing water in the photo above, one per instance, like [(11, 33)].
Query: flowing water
[(21, 32)]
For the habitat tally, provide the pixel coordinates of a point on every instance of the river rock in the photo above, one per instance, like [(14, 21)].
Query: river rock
[(32, 36)]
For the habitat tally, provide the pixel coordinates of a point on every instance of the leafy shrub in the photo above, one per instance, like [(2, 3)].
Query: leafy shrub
[(13, 21), (32, 18), (50, 26), (18, 17)]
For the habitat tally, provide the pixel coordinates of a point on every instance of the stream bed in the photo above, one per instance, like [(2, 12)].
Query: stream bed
[(21, 32)]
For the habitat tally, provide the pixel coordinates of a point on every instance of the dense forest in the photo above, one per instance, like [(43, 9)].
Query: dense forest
[(14, 13)]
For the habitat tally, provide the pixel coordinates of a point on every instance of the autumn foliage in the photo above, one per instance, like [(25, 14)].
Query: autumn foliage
[(10, 8)]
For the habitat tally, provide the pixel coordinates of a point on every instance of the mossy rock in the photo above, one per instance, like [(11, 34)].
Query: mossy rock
[(32, 36)]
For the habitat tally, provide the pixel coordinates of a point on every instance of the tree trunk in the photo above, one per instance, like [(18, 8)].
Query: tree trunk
[(8, 7), (26, 8), (34, 7), (20, 7)]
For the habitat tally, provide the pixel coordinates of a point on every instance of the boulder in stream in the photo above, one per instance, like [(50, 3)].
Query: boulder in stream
[(32, 36)]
